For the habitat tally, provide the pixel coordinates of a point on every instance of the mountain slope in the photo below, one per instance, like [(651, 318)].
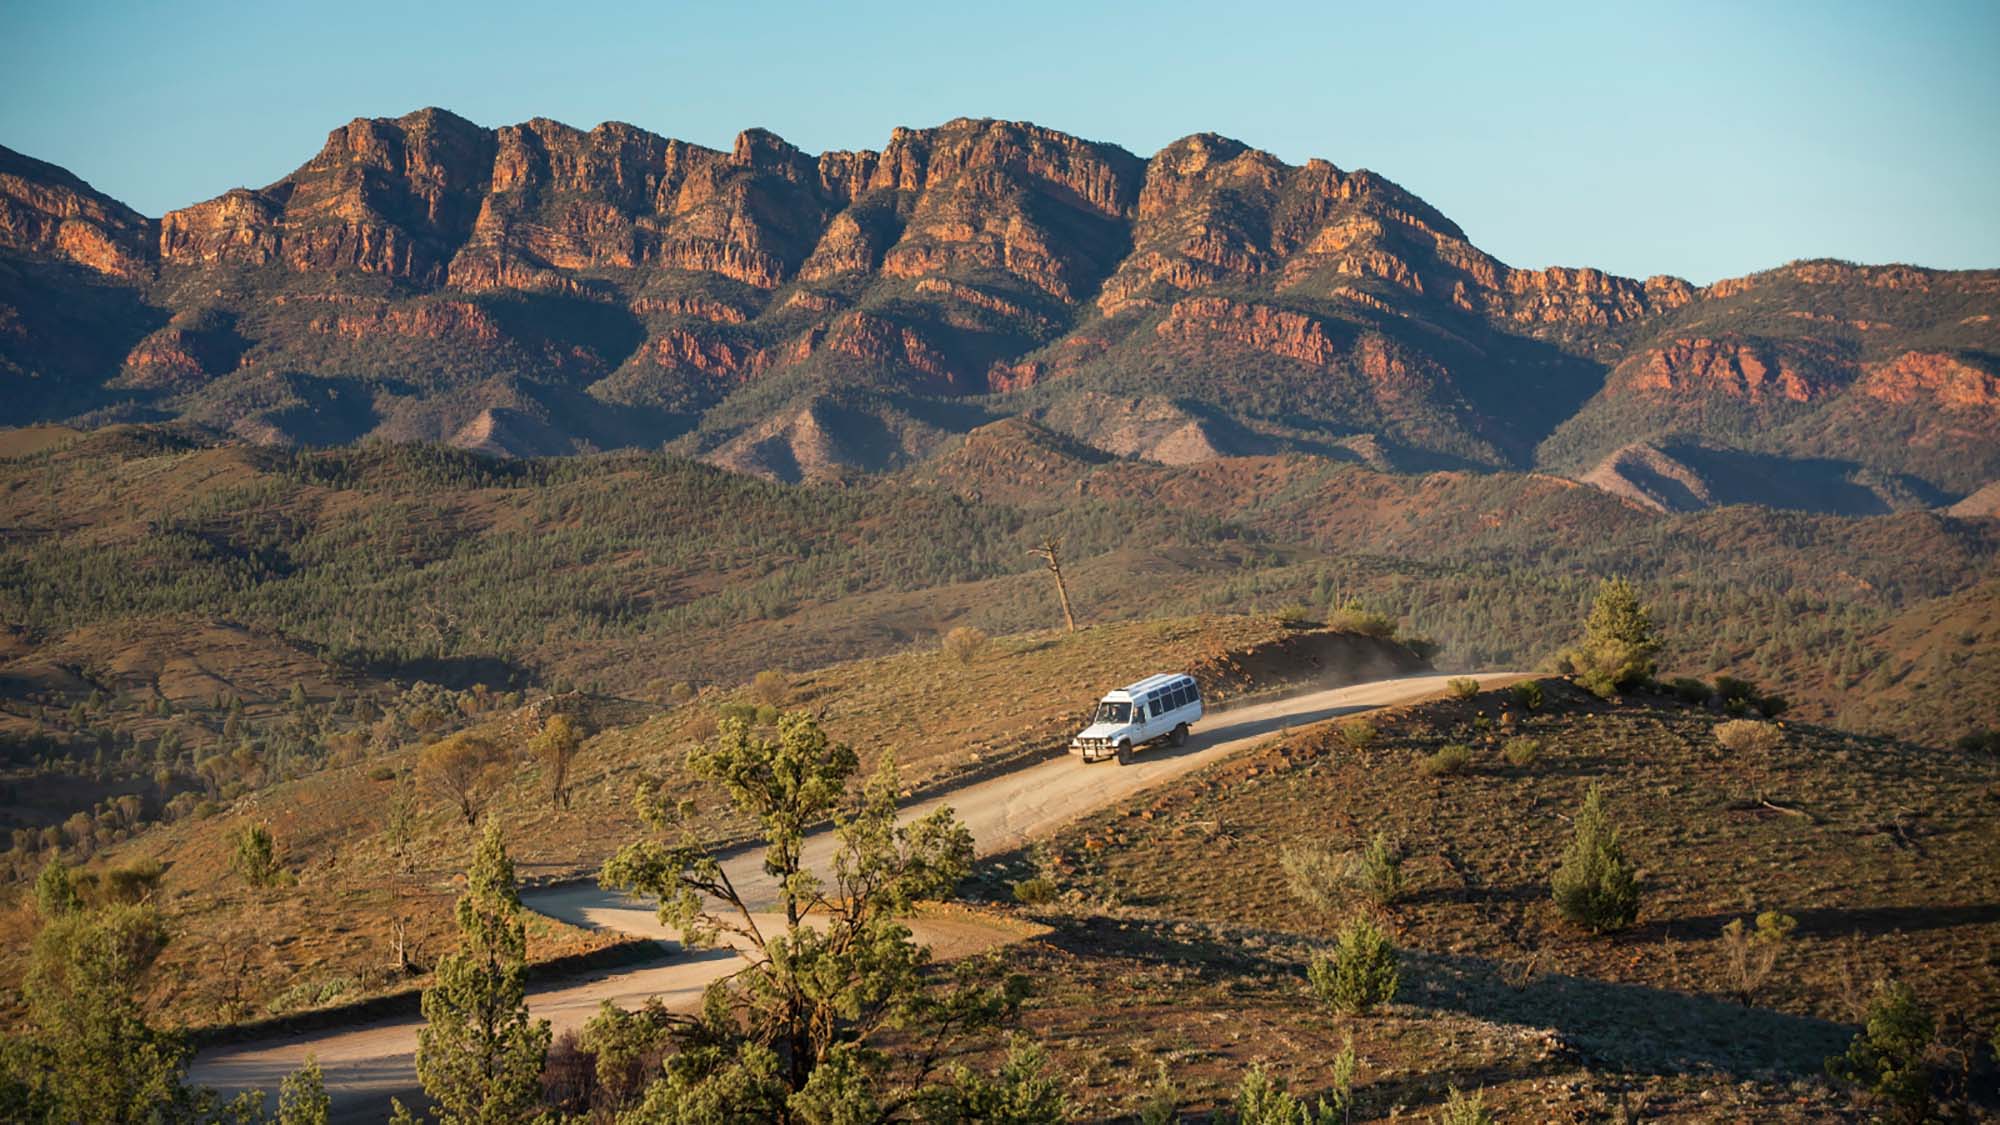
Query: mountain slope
[(538, 288)]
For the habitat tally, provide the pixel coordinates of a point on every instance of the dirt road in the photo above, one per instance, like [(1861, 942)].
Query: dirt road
[(365, 1065)]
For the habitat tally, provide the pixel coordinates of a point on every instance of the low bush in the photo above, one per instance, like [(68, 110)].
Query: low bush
[(1749, 736), (133, 882), (1462, 1109), (1527, 695), (1037, 891), (1295, 616), (1315, 876), (1690, 690), (1263, 1100), (382, 773), (965, 643), (1979, 742), (770, 688), (1732, 689), (1462, 687), (1522, 751), (1354, 619), (1361, 973), (1360, 734), (1376, 870), (1452, 758)]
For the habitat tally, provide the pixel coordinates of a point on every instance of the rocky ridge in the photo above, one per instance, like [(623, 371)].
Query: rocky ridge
[(614, 287)]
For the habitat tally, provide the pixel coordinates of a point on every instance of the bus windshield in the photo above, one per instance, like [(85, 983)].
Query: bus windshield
[(1108, 712)]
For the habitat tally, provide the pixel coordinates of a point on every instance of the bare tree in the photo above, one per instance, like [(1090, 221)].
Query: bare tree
[(1051, 553)]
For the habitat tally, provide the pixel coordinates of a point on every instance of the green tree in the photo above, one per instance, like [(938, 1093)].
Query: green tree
[(479, 1055), (55, 891), (89, 1055), (1594, 886), (302, 1097), (1619, 642), (555, 747), (254, 855), (811, 995), (85, 1052), (1361, 973), (1887, 1058)]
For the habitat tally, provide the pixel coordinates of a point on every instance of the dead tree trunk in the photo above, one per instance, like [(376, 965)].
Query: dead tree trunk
[(1051, 553)]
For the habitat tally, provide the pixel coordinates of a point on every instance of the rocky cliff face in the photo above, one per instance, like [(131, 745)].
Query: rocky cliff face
[(538, 286)]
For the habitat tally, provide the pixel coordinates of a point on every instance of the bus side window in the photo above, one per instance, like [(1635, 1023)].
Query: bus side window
[(1159, 707)]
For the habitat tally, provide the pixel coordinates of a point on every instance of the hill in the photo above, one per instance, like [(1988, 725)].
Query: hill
[(1876, 848), (538, 289)]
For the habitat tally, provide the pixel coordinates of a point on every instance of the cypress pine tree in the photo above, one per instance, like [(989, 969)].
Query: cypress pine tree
[(1619, 642), (479, 1056), (1595, 887)]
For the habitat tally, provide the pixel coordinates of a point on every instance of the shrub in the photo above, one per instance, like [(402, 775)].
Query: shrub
[(1452, 758), (1351, 618), (1522, 751), (1460, 1109), (1887, 1059), (1595, 887), (1527, 695), (133, 882), (965, 643), (1295, 616), (1361, 972), (1423, 648), (1731, 690), (1037, 891), (382, 773), (1690, 690), (1163, 1099), (1462, 687), (1264, 1100), (1749, 736), (682, 692), (1315, 876), (1974, 742), (1752, 954), (1360, 734), (770, 688), (1377, 869), (254, 855)]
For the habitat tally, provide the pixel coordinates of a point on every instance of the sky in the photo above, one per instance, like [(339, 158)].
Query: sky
[(1704, 140)]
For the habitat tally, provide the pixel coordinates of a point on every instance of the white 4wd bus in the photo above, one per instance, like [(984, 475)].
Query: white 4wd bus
[(1157, 707)]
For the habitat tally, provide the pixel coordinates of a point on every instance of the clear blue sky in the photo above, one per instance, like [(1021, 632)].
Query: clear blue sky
[(1701, 139)]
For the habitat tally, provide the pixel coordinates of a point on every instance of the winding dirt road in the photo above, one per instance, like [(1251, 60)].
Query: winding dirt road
[(366, 1064)]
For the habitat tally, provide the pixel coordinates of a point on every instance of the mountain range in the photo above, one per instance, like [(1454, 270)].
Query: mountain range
[(539, 290)]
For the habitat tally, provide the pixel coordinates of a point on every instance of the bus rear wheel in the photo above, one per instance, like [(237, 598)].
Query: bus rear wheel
[(1179, 737)]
